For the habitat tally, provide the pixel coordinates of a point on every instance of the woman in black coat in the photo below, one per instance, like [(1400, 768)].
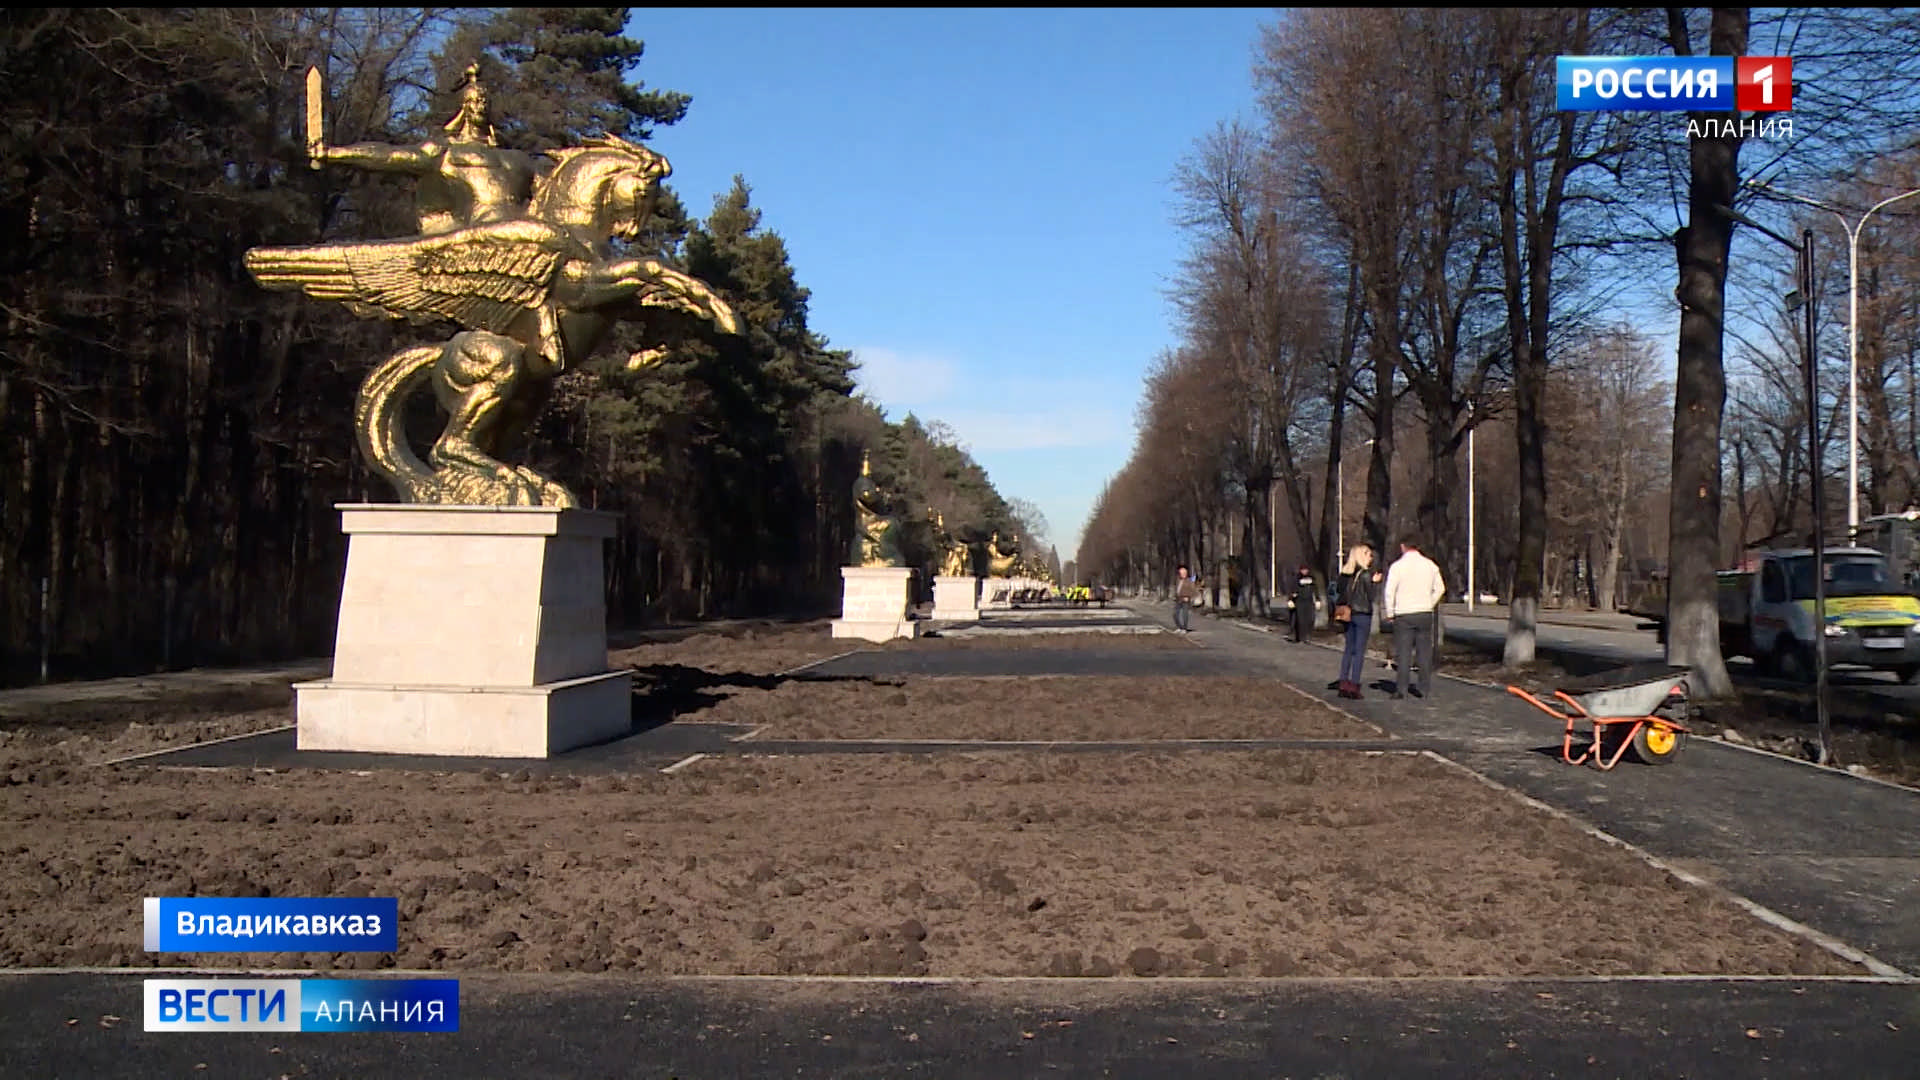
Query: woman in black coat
[(1303, 606), (1359, 584)]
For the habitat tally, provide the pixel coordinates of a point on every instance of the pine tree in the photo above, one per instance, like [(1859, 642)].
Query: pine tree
[(559, 75)]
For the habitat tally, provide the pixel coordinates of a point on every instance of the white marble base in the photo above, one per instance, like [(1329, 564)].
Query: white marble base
[(956, 599), (875, 631), (534, 722), (874, 603), (471, 631)]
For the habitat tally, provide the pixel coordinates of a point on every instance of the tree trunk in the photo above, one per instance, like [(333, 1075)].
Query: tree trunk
[(1700, 386), (1330, 530), (1529, 237), (1443, 479), (1610, 560), (1375, 524)]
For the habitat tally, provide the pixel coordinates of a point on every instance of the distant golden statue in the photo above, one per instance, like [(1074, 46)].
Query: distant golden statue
[(1002, 560), (525, 265), (876, 541), (956, 559)]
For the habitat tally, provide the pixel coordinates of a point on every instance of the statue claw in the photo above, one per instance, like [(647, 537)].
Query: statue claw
[(646, 358)]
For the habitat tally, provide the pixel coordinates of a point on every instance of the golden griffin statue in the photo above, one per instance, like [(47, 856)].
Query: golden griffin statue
[(1001, 561), (875, 542), (524, 264), (956, 559)]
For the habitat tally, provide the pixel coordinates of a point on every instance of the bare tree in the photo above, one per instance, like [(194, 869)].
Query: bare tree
[(1604, 455), (1252, 307)]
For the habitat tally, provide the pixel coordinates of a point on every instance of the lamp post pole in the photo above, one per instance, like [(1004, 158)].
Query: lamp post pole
[(1819, 504), (1853, 333), (1340, 508), (1804, 298), (1470, 588)]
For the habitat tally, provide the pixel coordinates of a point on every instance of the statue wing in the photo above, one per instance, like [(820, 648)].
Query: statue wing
[(482, 278)]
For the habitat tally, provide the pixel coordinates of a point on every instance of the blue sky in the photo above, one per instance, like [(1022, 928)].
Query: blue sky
[(978, 199)]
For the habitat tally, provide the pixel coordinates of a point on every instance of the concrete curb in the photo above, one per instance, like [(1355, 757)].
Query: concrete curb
[(1760, 911)]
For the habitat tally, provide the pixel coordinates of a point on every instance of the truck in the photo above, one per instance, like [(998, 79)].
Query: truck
[(1766, 608), (1872, 616), (1897, 536)]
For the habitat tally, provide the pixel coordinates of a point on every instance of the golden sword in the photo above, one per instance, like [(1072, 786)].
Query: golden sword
[(315, 140)]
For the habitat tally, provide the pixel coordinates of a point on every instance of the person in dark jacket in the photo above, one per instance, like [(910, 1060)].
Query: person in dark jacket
[(1301, 615), (1186, 590), (1359, 584)]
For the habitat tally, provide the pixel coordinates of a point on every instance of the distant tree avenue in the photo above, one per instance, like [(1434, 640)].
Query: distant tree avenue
[(1413, 257)]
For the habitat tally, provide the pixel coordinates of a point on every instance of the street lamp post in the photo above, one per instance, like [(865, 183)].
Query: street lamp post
[(1340, 509), (1470, 588), (1853, 334), (1803, 298), (1819, 504)]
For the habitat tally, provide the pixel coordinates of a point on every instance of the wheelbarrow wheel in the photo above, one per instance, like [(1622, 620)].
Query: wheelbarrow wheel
[(1656, 745)]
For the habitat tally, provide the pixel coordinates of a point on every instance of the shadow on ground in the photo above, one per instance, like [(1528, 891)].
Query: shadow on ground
[(663, 693)]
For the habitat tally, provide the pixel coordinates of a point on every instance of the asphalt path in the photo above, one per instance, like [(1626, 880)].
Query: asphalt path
[(536, 1026), (1588, 647)]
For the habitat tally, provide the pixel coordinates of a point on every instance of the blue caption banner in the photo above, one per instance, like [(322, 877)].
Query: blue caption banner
[(238, 1005), (1644, 83), (236, 924)]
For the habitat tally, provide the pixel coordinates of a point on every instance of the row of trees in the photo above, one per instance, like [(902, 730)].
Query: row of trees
[(177, 438), (1412, 242)]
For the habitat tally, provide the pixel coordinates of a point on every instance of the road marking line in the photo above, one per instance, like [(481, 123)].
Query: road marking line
[(1757, 910), (816, 663), (194, 746), (1331, 743), (683, 763)]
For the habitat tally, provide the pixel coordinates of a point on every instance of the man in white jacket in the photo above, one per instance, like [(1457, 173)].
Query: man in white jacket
[(1408, 604)]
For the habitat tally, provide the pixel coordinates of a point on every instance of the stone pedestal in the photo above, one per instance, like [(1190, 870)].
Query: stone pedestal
[(956, 599), (470, 631), (874, 601)]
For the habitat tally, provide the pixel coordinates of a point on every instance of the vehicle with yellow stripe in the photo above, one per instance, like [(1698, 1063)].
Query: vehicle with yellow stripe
[(1872, 619), (1897, 536)]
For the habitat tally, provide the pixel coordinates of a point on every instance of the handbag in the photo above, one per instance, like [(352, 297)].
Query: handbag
[(1343, 612)]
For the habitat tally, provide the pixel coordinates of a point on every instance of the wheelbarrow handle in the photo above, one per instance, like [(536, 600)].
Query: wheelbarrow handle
[(1538, 704)]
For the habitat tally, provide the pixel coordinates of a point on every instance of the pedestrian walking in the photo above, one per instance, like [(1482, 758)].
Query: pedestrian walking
[(1302, 606), (1409, 604), (1185, 591), (1359, 583)]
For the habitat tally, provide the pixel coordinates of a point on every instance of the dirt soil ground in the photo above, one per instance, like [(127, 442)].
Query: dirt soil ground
[(1324, 862), (751, 648), (1065, 708), (1277, 863)]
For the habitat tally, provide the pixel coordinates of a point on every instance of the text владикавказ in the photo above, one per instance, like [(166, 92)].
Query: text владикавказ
[(236, 924)]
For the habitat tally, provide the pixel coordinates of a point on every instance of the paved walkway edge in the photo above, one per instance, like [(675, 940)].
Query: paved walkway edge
[(1757, 910)]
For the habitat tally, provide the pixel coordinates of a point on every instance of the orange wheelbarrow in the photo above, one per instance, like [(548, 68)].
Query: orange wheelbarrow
[(1637, 708)]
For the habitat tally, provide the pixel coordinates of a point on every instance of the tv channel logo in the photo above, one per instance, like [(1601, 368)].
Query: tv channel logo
[(236, 1005), (1674, 83)]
